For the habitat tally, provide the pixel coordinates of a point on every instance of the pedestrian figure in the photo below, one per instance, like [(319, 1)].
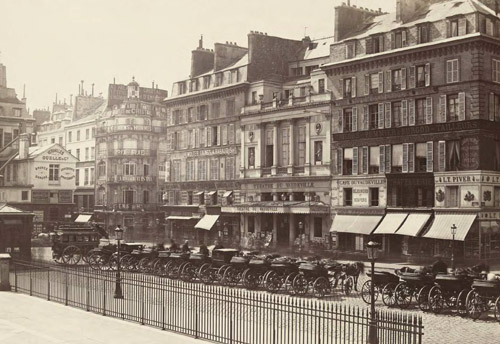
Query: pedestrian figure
[(173, 246), (439, 266), (185, 248), (218, 245), (203, 248)]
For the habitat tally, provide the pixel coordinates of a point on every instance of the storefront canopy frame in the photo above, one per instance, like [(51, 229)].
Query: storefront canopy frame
[(441, 226), (207, 222), (391, 223), (356, 224), (178, 217), (83, 218), (414, 224)]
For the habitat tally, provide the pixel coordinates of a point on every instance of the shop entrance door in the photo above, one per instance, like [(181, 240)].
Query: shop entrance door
[(283, 230), (395, 244)]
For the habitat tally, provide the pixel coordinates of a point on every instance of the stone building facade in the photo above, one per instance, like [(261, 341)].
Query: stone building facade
[(416, 125)]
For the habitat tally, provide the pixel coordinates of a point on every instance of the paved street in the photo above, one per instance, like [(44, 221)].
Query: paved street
[(30, 320)]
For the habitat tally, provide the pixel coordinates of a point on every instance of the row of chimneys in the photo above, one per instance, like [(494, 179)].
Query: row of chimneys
[(259, 33), (82, 92), (362, 8)]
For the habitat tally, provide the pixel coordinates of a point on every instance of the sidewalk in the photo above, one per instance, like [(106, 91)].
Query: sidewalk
[(31, 320)]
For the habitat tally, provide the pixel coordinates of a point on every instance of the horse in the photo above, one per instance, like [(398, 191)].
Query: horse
[(342, 271)]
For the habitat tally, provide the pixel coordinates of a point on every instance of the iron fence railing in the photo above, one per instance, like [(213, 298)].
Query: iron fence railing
[(214, 313)]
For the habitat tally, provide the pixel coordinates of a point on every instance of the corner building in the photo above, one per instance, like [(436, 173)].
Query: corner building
[(416, 143), (126, 164)]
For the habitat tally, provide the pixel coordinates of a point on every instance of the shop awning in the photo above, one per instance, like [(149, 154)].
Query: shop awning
[(441, 227), (199, 193), (207, 222), (279, 207), (414, 224), (210, 193), (83, 218), (227, 194), (177, 217), (357, 224), (391, 223)]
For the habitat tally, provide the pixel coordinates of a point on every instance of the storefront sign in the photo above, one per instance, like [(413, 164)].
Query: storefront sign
[(468, 179), (276, 210), (201, 186), (67, 173), (65, 196), (213, 151), (360, 196), (55, 154), (41, 172), (128, 151), (362, 181), (38, 216), (38, 196), (287, 185), (130, 179)]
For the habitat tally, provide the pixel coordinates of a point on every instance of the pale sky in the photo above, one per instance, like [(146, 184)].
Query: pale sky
[(50, 45)]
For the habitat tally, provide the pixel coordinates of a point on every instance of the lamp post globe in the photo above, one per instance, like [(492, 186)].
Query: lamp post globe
[(118, 286), (372, 250)]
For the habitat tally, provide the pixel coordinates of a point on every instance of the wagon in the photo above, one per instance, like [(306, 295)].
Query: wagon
[(176, 262), (70, 245), (384, 284), (213, 271), (450, 290), (190, 270), (413, 285), (234, 272), (160, 262), (312, 276), (257, 268), (483, 296), (281, 273)]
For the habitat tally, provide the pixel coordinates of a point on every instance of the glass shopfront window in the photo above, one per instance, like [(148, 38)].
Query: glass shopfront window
[(490, 239)]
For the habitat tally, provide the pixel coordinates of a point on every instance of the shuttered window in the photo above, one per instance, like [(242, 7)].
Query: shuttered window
[(428, 110), (411, 157), (443, 106), (495, 70), (388, 158), (365, 119), (355, 160), (442, 156), (430, 156), (382, 159), (388, 119), (354, 119), (411, 112), (452, 71), (340, 160), (364, 160), (405, 158), (381, 116)]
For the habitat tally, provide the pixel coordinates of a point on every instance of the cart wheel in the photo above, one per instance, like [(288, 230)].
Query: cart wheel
[(436, 300), (423, 298), (300, 285), (403, 295), (348, 285), (188, 272), (71, 255), (388, 295), (321, 287), (288, 284), (497, 309), (475, 305), (231, 277), (273, 282), (461, 305), (251, 279), (366, 291), (142, 265)]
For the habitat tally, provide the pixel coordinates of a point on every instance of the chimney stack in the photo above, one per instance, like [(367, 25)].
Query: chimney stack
[(92, 90), (348, 18), (24, 146), (82, 89), (200, 43)]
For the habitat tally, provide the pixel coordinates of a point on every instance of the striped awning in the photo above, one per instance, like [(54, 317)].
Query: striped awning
[(207, 222), (441, 227), (357, 224), (391, 223), (414, 224)]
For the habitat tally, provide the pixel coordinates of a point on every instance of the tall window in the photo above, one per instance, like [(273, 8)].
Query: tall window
[(215, 110), (230, 168), (176, 170), (285, 146), (396, 114), (77, 177), (420, 111), (452, 73), (190, 170), (202, 169), (251, 224), (230, 109), (101, 169), (452, 155), (454, 28), (145, 196), (373, 113), (87, 153), (495, 64), (206, 82), (452, 107), (451, 196), (301, 151), (318, 227), (347, 196), (347, 120), (86, 177), (321, 86), (421, 157), (53, 173), (374, 197), (420, 71), (347, 88), (214, 169), (396, 79), (128, 196), (146, 170), (129, 168), (78, 135), (423, 34), (269, 148), (87, 134)]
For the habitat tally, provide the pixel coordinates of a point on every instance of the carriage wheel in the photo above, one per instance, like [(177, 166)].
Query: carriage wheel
[(219, 275), (142, 265), (436, 300), (423, 298), (92, 260), (402, 295), (102, 261), (461, 304), (388, 295), (264, 277), (366, 292), (288, 284), (231, 277), (273, 282), (475, 305), (188, 272), (71, 255), (300, 285), (251, 279), (158, 267), (205, 273), (348, 285), (321, 287), (497, 309)]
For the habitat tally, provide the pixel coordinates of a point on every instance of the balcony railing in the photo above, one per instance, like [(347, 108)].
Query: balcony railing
[(126, 206), (288, 102), (129, 152), (130, 127), (131, 179), (266, 171)]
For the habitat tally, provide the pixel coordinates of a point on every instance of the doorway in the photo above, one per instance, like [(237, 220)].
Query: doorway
[(283, 230)]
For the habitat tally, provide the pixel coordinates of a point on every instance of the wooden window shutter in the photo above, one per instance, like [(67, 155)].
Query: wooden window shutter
[(341, 88), (388, 81), (209, 136), (340, 161), (365, 117), (339, 121), (167, 171), (393, 40), (403, 78), (461, 106), (411, 112), (491, 103), (382, 159), (430, 156), (218, 135), (353, 87), (405, 158), (367, 84), (388, 158), (404, 112), (413, 79), (442, 108), (381, 82), (388, 117), (427, 74), (448, 28), (462, 26), (354, 119), (403, 38), (366, 159), (442, 155), (369, 45), (428, 110), (355, 160), (411, 157), (381, 116)]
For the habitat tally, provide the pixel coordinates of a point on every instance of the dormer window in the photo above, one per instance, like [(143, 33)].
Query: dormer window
[(375, 44), (350, 50), (182, 87), (193, 85), (206, 82), (454, 28), (398, 39), (218, 79), (423, 33), (296, 71)]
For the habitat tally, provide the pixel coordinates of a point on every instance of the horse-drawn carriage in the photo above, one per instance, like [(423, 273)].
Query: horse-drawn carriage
[(213, 271), (484, 295), (450, 290), (384, 284), (413, 285), (71, 243)]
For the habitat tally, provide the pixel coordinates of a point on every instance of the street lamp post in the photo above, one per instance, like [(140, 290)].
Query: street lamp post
[(372, 251), (453, 232), (118, 286)]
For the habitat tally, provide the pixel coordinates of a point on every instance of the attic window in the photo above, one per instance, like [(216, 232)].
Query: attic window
[(423, 33), (375, 44), (398, 39), (350, 50)]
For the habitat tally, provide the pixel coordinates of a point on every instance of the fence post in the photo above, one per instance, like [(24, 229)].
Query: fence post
[(88, 293), (65, 287), (31, 284), (4, 272), (48, 284), (104, 296), (15, 277), (143, 300), (196, 288)]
